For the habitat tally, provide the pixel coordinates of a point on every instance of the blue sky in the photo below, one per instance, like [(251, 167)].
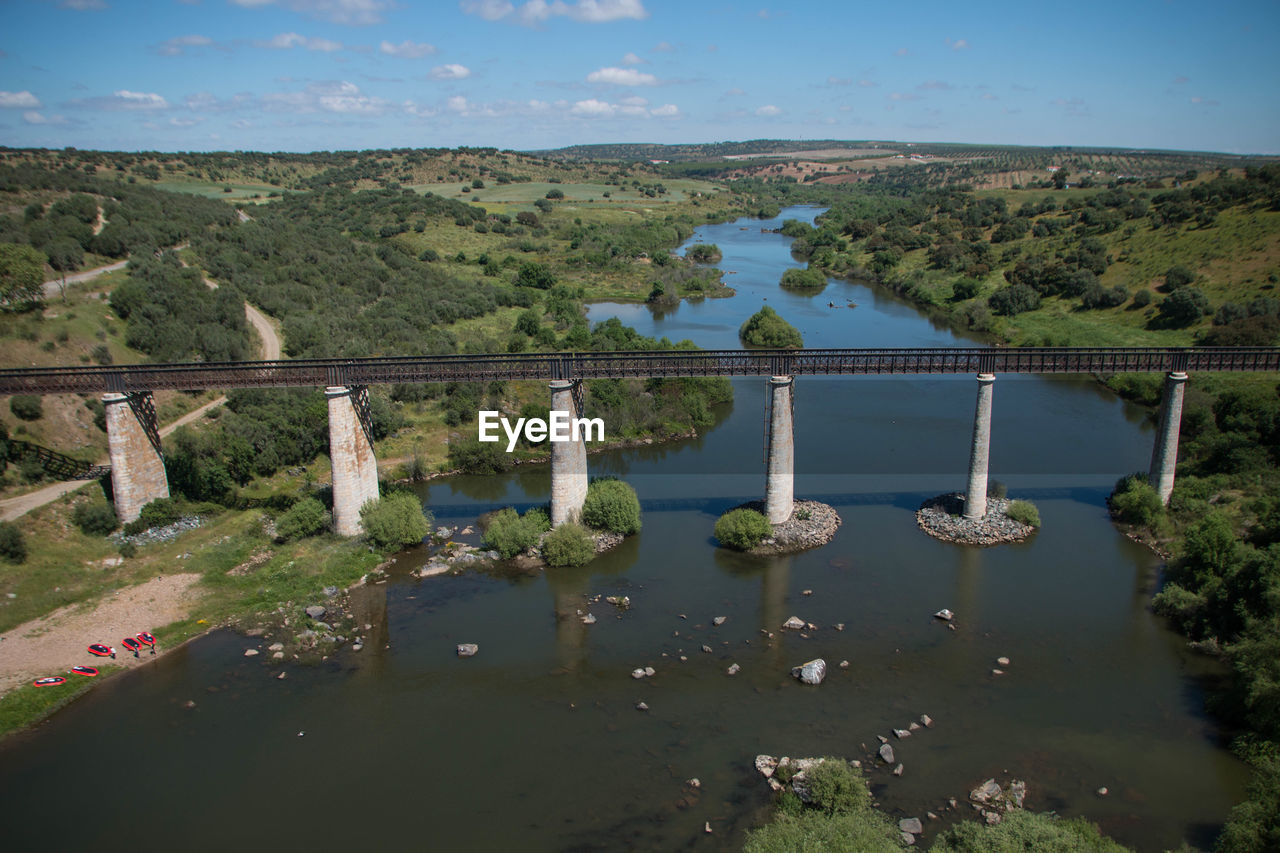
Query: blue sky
[(306, 75)]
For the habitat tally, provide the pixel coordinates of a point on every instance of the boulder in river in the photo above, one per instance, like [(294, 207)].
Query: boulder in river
[(945, 615), (886, 753), (466, 650), (811, 672), (911, 825), (795, 623)]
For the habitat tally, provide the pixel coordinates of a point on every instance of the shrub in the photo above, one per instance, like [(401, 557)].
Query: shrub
[(158, 513), (305, 518), (394, 521), (1134, 501), (1024, 512), (95, 519), (13, 545), (867, 831), (766, 329), (1176, 277), (509, 533), (807, 279), (1181, 308), (568, 545), (612, 505), (1023, 830), (28, 407), (473, 456), (704, 253), (742, 529), (1014, 299), (128, 550), (836, 788)]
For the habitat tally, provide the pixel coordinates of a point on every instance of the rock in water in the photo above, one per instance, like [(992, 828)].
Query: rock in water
[(911, 825), (945, 615), (886, 753), (719, 620), (986, 792), (897, 771), (795, 623), (733, 669), (466, 650), (812, 672), (589, 619), (901, 733), (315, 611), (250, 653)]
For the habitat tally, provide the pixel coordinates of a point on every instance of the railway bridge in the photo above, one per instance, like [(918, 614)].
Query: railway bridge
[(137, 462)]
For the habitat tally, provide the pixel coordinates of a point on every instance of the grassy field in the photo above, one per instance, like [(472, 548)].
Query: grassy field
[(212, 189)]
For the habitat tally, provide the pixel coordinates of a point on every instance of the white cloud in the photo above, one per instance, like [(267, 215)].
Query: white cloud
[(331, 97), (407, 49), (288, 41), (415, 109), (535, 12), (82, 5), (185, 122), (632, 59), (958, 44), (868, 84), (735, 92), (450, 72), (593, 108), (664, 47), (987, 96), (903, 96), (666, 111), (352, 12), (139, 100), (33, 117), (768, 110), (902, 51), (838, 81), (19, 100), (177, 45), (938, 85), (458, 104), (622, 77), (1206, 102)]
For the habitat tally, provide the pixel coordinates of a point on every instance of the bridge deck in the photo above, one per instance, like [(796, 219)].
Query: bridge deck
[(594, 365)]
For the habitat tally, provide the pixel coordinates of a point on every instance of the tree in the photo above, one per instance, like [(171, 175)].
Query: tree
[(1181, 308), (509, 533), (394, 521), (1176, 277), (305, 518), (13, 545), (766, 329), (21, 277), (27, 407), (568, 545), (742, 529), (533, 274), (612, 505), (803, 279), (65, 254), (1014, 299)]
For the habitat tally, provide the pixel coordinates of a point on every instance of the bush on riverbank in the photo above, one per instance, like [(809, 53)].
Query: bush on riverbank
[(742, 529), (766, 329), (95, 518), (1134, 501), (305, 518), (837, 816), (704, 253), (13, 545), (568, 545), (395, 520), (1024, 512), (612, 505), (1023, 830), (509, 533)]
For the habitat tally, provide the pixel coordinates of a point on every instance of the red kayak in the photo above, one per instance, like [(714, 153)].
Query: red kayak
[(146, 639), (101, 651), (50, 681), (86, 671), (131, 644)]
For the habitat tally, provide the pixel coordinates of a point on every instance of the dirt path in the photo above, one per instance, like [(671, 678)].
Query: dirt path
[(53, 644), (270, 340), (11, 508)]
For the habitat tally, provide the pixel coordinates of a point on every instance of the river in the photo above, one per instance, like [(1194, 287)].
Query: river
[(536, 743)]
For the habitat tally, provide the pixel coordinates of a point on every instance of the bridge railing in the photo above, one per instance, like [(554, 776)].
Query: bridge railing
[(646, 364)]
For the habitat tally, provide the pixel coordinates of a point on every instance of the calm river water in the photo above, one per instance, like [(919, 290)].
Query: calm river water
[(535, 743)]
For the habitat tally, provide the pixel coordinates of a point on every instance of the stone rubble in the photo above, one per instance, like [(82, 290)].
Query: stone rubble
[(943, 518)]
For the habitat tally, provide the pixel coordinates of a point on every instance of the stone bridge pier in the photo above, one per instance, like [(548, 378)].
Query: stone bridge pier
[(133, 443), (779, 487), (568, 458), (1164, 456), (355, 469), (975, 495)]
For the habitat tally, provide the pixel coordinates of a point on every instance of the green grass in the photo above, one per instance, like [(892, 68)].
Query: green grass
[(217, 189), (26, 704)]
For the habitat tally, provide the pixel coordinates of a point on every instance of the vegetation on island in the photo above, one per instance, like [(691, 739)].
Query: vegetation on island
[(803, 279), (766, 328), (742, 529)]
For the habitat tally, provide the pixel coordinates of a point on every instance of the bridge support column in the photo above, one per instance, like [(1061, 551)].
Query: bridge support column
[(779, 487), (355, 469), (133, 443), (568, 459), (975, 496), (1164, 456)]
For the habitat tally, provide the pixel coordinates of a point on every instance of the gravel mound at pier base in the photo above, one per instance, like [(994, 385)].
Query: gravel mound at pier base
[(798, 534), (943, 518)]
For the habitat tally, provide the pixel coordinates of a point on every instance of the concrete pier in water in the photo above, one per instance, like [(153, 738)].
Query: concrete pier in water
[(133, 443), (975, 495), (1164, 456), (355, 469), (568, 460), (779, 490)]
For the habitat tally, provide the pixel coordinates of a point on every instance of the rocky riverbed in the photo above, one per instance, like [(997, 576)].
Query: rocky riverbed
[(943, 518)]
